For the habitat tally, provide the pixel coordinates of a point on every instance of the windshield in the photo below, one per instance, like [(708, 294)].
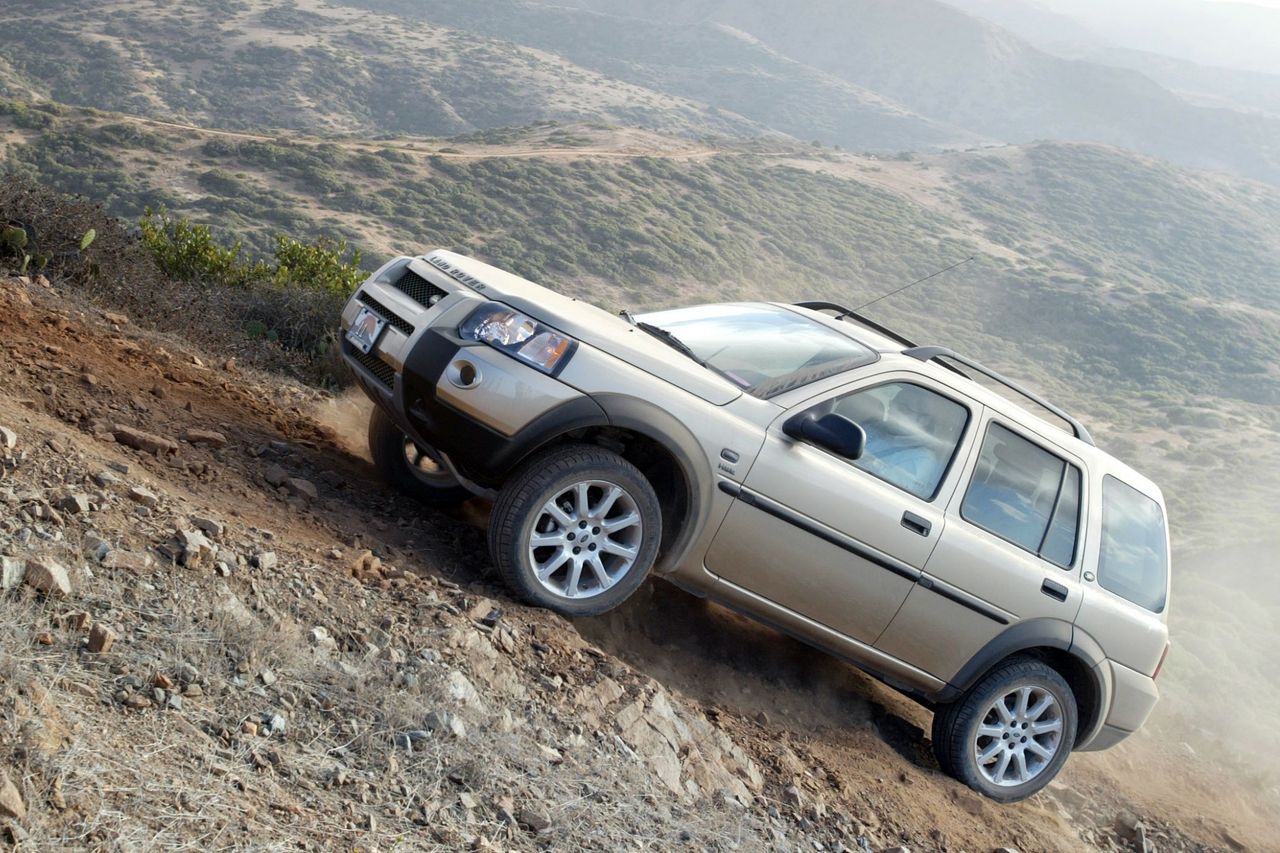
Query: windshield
[(763, 348)]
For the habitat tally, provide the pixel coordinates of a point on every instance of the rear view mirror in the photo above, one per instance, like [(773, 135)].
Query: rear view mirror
[(832, 432)]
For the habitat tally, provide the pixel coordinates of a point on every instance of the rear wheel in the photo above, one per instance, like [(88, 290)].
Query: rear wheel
[(1009, 735), (576, 530), (411, 468)]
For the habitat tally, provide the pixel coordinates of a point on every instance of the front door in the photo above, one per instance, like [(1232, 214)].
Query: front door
[(841, 542)]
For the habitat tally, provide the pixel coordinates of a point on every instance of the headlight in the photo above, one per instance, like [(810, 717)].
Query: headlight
[(515, 334)]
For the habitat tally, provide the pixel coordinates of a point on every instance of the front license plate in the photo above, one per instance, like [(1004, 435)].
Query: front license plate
[(364, 332)]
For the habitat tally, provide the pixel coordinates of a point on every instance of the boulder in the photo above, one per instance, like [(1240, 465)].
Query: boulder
[(48, 576), (144, 441)]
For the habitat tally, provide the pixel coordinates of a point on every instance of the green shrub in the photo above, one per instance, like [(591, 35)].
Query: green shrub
[(326, 265), (189, 252)]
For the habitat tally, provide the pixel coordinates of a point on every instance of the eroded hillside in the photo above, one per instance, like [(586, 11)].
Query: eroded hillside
[(220, 632)]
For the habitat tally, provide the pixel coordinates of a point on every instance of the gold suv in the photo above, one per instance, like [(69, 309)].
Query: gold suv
[(797, 463)]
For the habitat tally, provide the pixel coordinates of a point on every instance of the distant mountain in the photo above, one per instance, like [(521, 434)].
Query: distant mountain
[(954, 68), (1062, 35), (1226, 34), (869, 75)]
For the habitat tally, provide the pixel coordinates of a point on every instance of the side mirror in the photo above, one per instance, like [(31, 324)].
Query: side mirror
[(832, 432)]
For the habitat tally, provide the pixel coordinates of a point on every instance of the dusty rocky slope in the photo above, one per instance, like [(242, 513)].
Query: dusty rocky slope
[(217, 632)]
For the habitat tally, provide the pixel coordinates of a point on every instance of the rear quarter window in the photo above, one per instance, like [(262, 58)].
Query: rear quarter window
[(1133, 559)]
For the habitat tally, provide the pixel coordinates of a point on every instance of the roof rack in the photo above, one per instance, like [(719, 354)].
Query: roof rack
[(931, 353), (843, 313)]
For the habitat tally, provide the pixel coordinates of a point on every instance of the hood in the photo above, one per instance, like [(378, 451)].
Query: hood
[(587, 323)]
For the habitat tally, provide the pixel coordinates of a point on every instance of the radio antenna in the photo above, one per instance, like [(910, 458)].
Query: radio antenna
[(917, 281)]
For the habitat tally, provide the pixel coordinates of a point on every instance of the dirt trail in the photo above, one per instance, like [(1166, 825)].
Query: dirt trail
[(774, 746)]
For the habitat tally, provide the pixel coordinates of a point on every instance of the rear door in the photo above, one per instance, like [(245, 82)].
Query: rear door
[(842, 542), (1010, 552)]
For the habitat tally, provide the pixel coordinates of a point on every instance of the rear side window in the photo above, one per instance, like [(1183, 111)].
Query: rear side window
[(912, 434), (1133, 561), (1026, 495)]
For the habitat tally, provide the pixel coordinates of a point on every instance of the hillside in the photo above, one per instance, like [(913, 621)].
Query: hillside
[(868, 75), (927, 57), (216, 661), (1169, 309), (314, 67)]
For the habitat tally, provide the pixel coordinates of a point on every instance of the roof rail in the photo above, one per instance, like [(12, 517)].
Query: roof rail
[(843, 313), (930, 353)]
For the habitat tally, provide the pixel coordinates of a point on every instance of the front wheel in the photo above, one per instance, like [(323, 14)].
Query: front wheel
[(576, 530), (412, 469), (1009, 735)]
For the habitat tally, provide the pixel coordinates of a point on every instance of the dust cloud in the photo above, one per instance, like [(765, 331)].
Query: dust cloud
[(347, 415)]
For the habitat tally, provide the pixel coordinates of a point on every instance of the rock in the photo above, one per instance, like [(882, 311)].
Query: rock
[(480, 609), (130, 561), (11, 572), (196, 548), (44, 638), (533, 821), (268, 677), (276, 724), (1128, 824), (444, 723), (898, 849), (101, 639), (144, 441), (301, 488), (462, 691), (11, 804), (143, 496), (77, 504), (249, 727), (106, 479), (209, 437), (265, 560), (95, 546), (162, 681), (321, 639), (48, 576), (8, 438), (275, 476), (210, 527)]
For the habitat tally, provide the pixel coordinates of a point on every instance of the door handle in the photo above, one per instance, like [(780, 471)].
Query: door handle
[(916, 524), (1053, 589)]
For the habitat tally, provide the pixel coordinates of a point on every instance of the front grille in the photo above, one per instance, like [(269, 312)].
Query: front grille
[(419, 289), (386, 314), (385, 373)]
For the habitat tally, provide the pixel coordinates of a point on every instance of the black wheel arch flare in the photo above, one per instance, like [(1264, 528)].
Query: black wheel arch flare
[(1045, 637)]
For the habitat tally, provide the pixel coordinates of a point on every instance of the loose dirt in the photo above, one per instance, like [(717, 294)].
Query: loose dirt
[(303, 660)]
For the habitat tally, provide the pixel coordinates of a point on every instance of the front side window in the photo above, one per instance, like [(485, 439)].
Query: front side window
[(912, 434), (1133, 561), (1026, 495)]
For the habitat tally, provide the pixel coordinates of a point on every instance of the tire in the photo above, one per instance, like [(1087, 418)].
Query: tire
[(597, 519), (409, 468), (971, 738)]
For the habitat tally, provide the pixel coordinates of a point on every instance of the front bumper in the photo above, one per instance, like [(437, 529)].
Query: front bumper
[(481, 408)]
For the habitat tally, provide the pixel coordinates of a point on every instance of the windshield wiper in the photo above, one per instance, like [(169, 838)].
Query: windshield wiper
[(684, 349), (670, 340)]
